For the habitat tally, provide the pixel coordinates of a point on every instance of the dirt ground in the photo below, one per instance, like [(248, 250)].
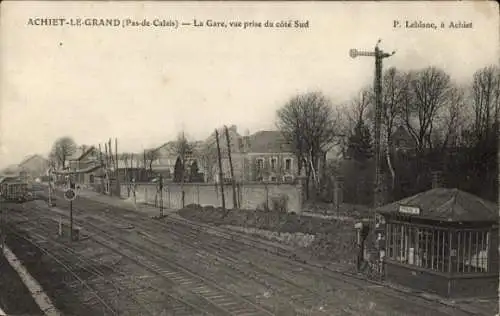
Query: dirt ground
[(50, 276), (15, 298), (334, 240)]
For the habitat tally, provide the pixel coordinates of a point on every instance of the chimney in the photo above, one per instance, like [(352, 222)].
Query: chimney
[(437, 181), (233, 128)]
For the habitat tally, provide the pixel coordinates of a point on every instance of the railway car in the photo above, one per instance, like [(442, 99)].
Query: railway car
[(14, 190)]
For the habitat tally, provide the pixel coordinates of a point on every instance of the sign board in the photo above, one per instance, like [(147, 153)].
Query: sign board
[(69, 194), (409, 210)]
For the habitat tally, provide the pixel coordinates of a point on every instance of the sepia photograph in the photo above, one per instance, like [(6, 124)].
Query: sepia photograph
[(249, 158)]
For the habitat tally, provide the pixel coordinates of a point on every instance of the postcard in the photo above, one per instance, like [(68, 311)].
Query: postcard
[(249, 158)]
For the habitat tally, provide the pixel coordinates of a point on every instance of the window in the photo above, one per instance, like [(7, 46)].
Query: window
[(273, 179), (288, 164), (432, 248), (287, 179), (423, 247), (260, 164), (273, 163), (472, 251)]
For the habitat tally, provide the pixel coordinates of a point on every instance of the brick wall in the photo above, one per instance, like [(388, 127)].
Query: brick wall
[(251, 195)]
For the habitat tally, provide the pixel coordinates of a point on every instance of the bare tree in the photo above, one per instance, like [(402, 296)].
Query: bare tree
[(393, 90), (358, 109), (309, 123), (451, 120), (208, 157), (62, 149), (486, 100), (150, 156), (426, 92), (183, 149)]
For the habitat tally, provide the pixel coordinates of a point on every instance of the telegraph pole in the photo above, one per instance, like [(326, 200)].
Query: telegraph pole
[(379, 56), (2, 220), (50, 187), (221, 175), (161, 194), (233, 182)]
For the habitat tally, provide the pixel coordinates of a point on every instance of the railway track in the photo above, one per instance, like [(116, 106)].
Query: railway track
[(73, 276), (213, 248), (301, 298), (134, 294), (193, 289), (302, 295)]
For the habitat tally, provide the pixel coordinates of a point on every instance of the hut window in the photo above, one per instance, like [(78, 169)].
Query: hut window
[(426, 248), (472, 251)]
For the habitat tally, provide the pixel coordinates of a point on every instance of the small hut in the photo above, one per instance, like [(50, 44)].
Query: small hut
[(443, 241)]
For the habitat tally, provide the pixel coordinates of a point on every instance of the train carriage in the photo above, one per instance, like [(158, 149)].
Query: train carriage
[(14, 190)]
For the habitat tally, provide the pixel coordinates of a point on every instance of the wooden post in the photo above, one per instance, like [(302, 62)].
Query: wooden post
[(116, 167), (2, 219), (183, 145), (221, 176), (233, 182), (144, 160), (71, 220)]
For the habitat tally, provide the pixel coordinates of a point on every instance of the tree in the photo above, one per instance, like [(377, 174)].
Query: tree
[(194, 175), (486, 104), (393, 90), (62, 149), (427, 90), (353, 114), (309, 124), (178, 170), (150, 156), (360, 144)]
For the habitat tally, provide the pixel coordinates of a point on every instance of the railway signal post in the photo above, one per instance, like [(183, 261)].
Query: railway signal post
[(2, 222), (160, 185), (70, 195), (379, 56)]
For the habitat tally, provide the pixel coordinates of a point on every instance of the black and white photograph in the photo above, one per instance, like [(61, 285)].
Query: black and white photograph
[(249, 158)]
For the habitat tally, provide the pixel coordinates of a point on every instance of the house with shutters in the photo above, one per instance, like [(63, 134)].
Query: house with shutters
[(262, 156)]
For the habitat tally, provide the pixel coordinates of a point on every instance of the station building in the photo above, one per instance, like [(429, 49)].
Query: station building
[(443, 241)]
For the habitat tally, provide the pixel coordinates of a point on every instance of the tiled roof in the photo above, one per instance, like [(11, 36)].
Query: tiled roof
[(268, 142), (78, 152), (32, 157), (451, 205)]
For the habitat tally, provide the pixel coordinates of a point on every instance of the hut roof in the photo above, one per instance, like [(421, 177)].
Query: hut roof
[(452, 205)]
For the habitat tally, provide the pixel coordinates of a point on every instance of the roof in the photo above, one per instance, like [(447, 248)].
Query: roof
[(26, 160), (11, 169), (268, 142), (452, 205), (76, 154), (85, 170), (8, 179), (84, 152)]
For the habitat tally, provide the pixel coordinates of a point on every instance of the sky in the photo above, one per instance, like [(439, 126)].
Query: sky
[(144, 85)]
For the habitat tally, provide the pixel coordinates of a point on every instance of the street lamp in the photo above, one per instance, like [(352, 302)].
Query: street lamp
[(379, 56)]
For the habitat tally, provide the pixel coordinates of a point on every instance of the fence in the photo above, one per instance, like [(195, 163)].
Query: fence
[(250, 195)]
